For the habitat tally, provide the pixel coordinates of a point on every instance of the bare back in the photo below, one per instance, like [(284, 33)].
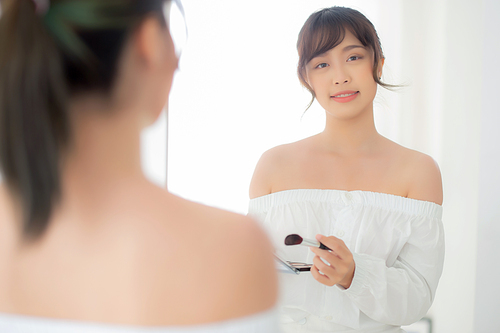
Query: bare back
[(146, 258)]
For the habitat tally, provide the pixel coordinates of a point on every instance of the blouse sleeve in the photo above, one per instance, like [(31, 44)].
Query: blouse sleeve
[(402, 293)]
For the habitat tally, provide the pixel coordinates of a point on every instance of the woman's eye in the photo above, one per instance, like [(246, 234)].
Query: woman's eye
[(352, 58), (322, 65)]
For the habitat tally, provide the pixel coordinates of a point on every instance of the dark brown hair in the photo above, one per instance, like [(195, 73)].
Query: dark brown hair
[(45, 58), (326, 29)]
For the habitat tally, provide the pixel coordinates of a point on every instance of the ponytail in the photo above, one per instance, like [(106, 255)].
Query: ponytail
[(74, 47), (34, 126)]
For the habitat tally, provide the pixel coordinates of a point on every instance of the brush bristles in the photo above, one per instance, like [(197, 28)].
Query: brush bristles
[(293, 239)]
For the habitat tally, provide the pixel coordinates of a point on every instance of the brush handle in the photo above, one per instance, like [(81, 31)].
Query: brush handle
[(314, 243), (324, 247)]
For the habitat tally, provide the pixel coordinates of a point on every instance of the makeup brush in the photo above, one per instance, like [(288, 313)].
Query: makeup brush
[(295, 239)]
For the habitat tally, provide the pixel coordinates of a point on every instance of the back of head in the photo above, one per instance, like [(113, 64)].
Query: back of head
[(50, 51)]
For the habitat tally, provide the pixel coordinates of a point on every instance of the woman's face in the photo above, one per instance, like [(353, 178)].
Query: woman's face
[(342, 78)]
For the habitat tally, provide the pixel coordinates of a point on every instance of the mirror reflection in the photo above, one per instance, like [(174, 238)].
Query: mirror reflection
[(247, 99)]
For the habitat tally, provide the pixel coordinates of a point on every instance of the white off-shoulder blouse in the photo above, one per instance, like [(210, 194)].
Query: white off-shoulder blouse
[(398, 249), (264, 322)]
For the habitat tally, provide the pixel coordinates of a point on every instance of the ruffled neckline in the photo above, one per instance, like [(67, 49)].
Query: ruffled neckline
[(356, 197)]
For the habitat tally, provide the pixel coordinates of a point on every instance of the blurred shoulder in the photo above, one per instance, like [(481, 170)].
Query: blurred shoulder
[(225, 258), (216, 264), (244, 268), (247, 270), (233, 236), (223, 225), (183, 217)]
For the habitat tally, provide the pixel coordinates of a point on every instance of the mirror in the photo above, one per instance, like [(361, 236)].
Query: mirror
[(236, 95)]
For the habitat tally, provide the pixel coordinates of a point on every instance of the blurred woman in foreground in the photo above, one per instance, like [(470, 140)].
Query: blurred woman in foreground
[(86, 240)]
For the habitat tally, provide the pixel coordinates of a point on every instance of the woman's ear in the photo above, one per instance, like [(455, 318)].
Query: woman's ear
[(380, 66), (146, 41), (306, 78)]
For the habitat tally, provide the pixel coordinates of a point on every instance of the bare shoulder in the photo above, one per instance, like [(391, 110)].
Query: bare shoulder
[(245, 267), (424, 177), (247, 270), (267, 167), (222, 258), (272, 163)]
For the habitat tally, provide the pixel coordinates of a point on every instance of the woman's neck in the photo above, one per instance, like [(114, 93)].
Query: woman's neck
[(104, 152), (356, 135)]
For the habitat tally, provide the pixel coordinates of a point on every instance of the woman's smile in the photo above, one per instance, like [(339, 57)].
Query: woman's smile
[(340, 74), (345, 96)]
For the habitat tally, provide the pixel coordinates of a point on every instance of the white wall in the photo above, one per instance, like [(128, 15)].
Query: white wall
[(487, 287), (460, 59), (454, 100)]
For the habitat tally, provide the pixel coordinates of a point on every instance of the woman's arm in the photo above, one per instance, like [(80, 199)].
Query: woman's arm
[(396, 295), (402, 293)]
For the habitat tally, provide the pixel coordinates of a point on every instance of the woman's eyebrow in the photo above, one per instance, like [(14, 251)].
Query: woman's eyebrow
[(350, 47), (345, 49)]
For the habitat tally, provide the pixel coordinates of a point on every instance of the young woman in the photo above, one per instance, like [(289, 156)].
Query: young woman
[(86, 242), (376, 204)]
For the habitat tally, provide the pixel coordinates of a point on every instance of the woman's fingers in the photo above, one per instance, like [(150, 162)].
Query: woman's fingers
[(335, 244), (335, 266), (331, 257), (324, 279)]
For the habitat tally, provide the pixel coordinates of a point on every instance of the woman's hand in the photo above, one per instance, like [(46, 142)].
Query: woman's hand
[(341, 263)]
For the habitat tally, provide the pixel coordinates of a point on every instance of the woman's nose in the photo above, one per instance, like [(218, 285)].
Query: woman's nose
[(340, 76), (340, 81)]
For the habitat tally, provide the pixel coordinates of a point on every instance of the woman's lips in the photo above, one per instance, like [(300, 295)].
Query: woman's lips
[(345, 96)]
